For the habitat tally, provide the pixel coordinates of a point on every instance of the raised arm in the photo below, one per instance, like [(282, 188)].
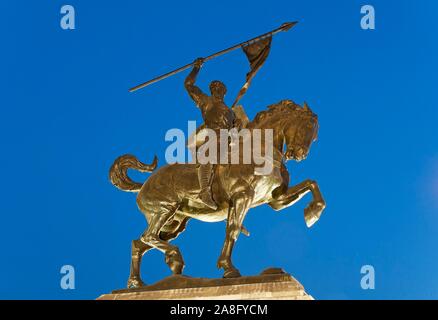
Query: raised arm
[(195, 92)]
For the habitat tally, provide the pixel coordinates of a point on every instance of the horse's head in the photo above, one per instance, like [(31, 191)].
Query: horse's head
[(300, 130), (293, 125)]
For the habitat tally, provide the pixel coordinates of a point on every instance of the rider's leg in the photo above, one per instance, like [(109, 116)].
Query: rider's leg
[(205, 173)]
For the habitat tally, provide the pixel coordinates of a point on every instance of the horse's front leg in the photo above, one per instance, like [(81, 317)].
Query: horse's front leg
[(313, 211), (240, 204)]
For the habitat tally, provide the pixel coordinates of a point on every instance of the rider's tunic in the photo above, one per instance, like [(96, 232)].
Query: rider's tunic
[(217, 115)]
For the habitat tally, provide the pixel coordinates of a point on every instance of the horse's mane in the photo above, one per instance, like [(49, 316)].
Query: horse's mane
[(283, 108)]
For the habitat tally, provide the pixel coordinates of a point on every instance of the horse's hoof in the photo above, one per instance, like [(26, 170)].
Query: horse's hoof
[(232, 273), (313, 212), (176, 267), (135, 283), (175, 262)]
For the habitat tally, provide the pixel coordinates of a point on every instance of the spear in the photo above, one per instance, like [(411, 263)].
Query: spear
[(284, 27)]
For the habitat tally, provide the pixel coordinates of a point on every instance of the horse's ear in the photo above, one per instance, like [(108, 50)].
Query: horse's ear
[(306, 106)]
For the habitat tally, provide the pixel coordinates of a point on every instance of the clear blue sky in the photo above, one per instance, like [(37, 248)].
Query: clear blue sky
[(67, 114)]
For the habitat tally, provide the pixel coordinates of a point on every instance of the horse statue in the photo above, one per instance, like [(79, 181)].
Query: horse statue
[(168, 199)]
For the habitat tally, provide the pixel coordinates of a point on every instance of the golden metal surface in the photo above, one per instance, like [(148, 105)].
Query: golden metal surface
[(169, 198), (176, 193)]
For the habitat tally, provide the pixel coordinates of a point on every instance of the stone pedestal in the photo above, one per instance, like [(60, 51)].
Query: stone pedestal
[(271, 284)]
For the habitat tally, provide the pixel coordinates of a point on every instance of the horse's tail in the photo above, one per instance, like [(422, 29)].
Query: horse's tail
[(119, 172)]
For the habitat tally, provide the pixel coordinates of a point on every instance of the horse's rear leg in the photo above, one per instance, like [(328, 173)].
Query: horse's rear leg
[(151, 238), (137, 252)]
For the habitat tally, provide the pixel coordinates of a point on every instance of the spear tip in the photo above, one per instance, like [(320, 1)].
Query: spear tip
[(287, 25)]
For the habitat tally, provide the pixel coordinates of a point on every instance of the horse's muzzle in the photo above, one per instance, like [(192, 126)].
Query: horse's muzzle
[(296, 154)]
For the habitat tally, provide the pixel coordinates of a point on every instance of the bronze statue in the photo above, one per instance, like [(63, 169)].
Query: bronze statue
[(175, 193), (169, 198)]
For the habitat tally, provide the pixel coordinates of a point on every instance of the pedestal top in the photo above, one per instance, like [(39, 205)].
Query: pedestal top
[(271, 284)]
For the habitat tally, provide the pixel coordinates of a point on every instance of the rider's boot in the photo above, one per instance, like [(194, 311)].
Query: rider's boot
[(204, 174)]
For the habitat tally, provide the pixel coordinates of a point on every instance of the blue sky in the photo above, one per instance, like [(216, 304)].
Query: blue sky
[(67, 114)]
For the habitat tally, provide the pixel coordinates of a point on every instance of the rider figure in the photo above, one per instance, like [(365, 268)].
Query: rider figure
[(216, 116)]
